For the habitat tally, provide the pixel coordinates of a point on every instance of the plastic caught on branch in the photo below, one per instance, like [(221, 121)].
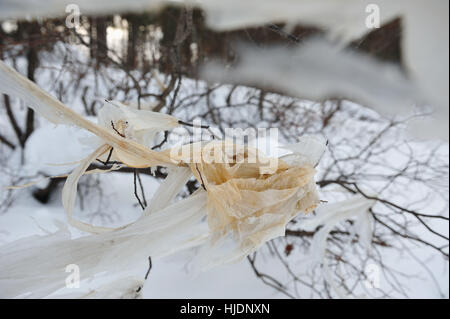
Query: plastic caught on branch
[(329, 216), (248, 198)]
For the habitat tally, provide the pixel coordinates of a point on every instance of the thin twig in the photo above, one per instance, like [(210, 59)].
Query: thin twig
[(135, 190)]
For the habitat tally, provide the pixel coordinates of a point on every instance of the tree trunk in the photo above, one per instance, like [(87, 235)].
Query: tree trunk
[(101, 38), (133, 35)]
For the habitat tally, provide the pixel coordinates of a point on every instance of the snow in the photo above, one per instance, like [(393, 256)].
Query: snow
[(425, 30), (171, 277), (110, 201), (66, 146)]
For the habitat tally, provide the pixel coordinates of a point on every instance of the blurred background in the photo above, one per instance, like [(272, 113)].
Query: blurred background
[(153, 60)]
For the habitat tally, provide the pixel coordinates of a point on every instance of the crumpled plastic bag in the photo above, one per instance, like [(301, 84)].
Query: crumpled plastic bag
[(248, 198)]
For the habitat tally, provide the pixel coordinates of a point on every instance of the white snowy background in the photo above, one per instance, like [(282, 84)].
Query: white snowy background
[(171, 277)]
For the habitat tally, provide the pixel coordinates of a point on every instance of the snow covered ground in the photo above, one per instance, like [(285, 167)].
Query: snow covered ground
[(170, 277), (108, 200)]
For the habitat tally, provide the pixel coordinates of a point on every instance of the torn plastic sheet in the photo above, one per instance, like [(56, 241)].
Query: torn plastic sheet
[(247, 197), (330, 215), (320, 70), (425, 31), (128, 150), (127, 287), (36, 265)]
